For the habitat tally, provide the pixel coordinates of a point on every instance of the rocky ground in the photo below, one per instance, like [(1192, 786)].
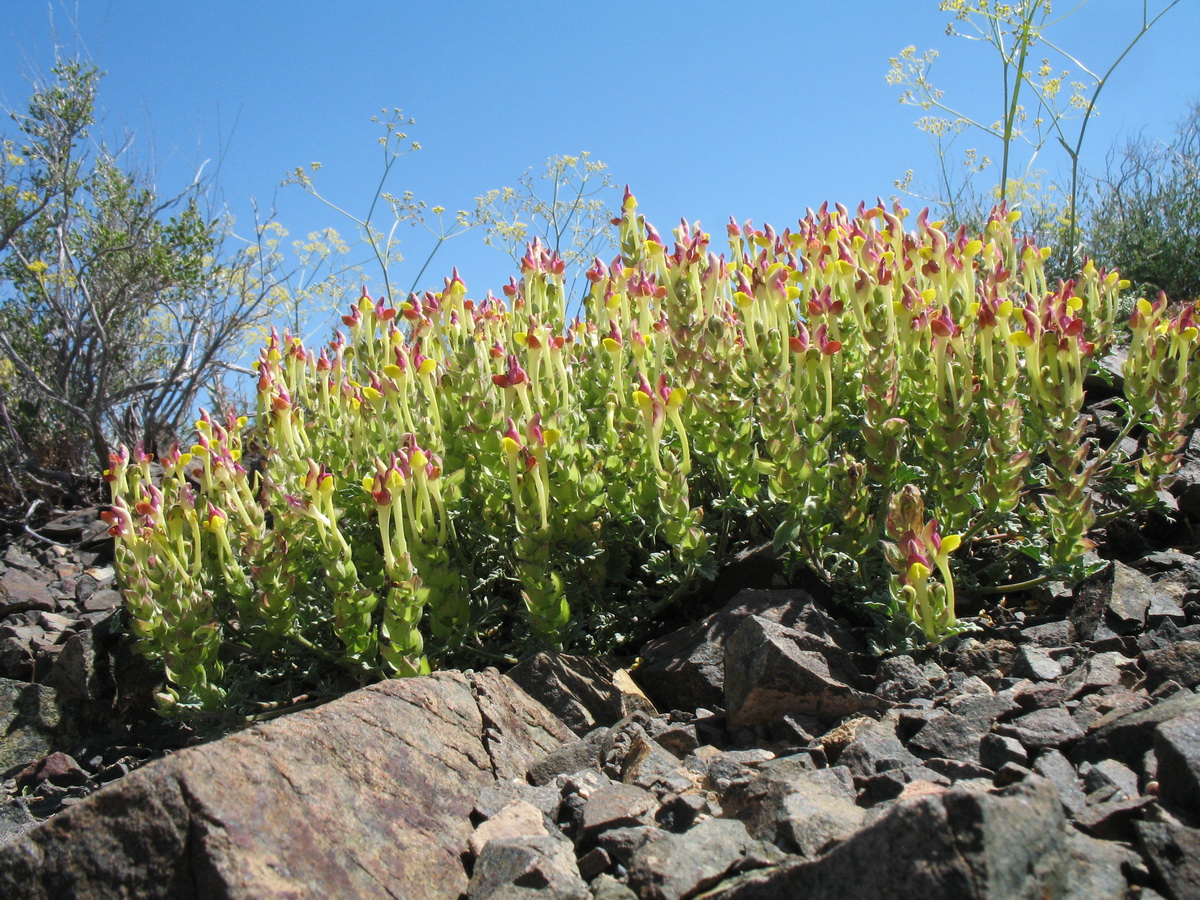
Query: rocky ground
[(760, 752)]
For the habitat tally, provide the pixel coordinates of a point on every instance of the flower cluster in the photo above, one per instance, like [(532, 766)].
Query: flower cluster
[(452, 479)]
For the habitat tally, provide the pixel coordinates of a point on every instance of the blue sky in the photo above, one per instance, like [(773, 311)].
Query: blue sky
[(707, 109)]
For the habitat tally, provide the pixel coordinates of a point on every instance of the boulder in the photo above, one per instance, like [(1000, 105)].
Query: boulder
[(367, 796)]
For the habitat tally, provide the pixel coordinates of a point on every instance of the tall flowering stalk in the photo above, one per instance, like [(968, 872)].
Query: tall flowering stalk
[(453, 479)]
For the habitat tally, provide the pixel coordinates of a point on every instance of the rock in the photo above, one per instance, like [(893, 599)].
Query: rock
[(1096, 869), (772, 671), (1177, 748), (1055, 767), (1126, 736), (1101, 671), (955, 730), (511, 868), (681, 865), (1042, 728), (32, 723), (789, 804), (22, 590), (518, 819), (875, 747), (616, 806), (403, 760), (959, 844), (686, 668), (585, 753), (578, 690), (899, 679), (1179, 663), (1173, 852), (57, 768)]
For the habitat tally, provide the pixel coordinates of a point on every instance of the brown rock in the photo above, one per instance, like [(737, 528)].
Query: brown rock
[(367, 796)]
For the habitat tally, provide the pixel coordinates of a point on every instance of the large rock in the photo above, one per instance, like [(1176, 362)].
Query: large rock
[(961, 844), (367, 796), (772, 670), (686, 668)]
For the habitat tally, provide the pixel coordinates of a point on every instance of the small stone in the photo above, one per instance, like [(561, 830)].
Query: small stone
[(1042, 728), (543, 863), (616, 806), (996, 750), (1179, 663), (518, 819)]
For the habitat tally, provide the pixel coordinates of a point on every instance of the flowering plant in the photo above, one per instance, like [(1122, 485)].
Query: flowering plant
[(452, 479)]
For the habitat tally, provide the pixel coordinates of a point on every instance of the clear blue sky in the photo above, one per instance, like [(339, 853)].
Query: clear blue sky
[(707, 109)]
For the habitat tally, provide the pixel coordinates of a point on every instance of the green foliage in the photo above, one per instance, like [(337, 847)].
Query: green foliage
[(117, 306), (1145, 218), (452, 480)]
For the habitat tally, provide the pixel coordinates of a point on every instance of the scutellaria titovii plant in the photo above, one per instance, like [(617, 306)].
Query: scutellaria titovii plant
[(454, 481)]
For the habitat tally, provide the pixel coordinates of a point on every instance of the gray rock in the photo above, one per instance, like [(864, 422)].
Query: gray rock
[(32, 722), (1055, 767), (1042, 728), (1101, 671), (616, 806), (798, 808), (772, 671), (585, 753), (527, 867), (1126, 735), (605, 887), (686, 668), (1173, 852), (875, 747), (1109, 779), (899, 678), (954, 731), (1179, 663), (1096, 869), (579, 690), (681, 865), (520, 818), (265, 812), (1035, 662), (958, 844), (1177, 747)]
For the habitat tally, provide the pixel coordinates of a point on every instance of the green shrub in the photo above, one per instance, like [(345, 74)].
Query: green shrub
[(453, 481)]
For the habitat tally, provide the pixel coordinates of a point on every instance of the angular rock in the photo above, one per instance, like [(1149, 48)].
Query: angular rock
[(795, 807), (682, 865), (1126, 736), (1173, 852), (955, 730), (1042, 728), (510, 868), (959, 844), (1096, 869), (899, 678), (402, 760), (1179, 663), (32, 723), (1055, 767), (579, 690), (585, 753), (616, 806), (1177, 747), (1100, 671), (874, 748), (518, 819), (686, 669), (772, 671)]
